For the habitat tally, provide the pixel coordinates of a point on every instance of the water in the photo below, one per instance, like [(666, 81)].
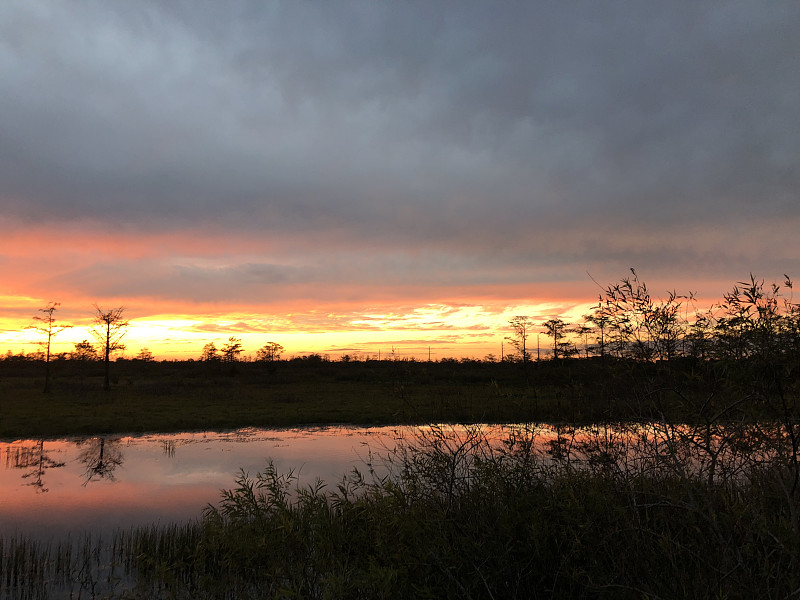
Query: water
[(49, 488)]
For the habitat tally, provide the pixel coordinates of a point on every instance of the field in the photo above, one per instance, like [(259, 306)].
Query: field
[(175, 396), (195, 396)]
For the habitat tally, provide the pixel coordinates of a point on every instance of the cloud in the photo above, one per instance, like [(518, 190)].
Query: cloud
[(369, 151)]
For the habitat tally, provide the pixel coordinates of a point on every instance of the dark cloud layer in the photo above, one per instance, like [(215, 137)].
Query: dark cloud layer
[(539, 132)]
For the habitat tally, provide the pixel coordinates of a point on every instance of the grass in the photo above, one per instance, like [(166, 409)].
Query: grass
[(184, 396), (170, 397)]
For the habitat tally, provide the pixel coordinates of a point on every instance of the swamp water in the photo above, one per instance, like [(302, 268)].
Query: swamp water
[(110, 486), (51, 488)]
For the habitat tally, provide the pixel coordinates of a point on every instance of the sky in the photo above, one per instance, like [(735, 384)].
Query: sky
[(363, 177)]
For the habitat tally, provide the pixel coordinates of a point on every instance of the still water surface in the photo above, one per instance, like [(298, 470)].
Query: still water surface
[(49, 488)]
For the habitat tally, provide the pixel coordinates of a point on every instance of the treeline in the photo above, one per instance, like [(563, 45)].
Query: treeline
[(753, 320)]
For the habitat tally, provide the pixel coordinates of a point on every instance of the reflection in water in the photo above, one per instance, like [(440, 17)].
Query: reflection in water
[(34, 458), (169, 448), (142, 480), (101, 456), (171, 478)]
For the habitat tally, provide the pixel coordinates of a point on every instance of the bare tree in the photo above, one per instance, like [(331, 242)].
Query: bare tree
[(48, 328), (110, 326)]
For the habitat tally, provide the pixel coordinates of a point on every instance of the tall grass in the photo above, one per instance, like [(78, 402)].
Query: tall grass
[(631, 511), (82, 567)]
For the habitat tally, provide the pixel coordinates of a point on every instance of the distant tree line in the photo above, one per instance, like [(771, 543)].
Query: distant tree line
[(230, 352), (753, 320), (109, 327)]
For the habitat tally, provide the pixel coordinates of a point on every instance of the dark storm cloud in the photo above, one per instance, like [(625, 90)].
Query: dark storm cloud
[(464, 126)]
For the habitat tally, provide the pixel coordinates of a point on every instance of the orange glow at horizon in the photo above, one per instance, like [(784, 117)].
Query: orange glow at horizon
[(172, 314), (444, 331)]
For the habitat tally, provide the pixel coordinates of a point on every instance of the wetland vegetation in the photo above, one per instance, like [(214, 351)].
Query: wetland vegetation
[(639, 511)]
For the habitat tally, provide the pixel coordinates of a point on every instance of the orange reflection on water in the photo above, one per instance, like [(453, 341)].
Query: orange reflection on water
[(50, 488)]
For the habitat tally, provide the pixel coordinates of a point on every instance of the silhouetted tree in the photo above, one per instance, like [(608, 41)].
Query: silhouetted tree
[(557, 329), (48, 328), (232, 350), (209, 353), (600, 320), (144, 355), (757, 322), (698, 341), (109, 328), (84, 351), (583, 331), (642, 327), (269, 352), (521, 326)]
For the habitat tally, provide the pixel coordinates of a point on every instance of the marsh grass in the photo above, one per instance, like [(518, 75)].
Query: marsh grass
[(646, 510), (82, 567), (169, 397), (181, 396)]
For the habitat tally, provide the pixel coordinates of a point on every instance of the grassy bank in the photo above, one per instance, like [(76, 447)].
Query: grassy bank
[(198, 396), (183, 396), (190, 396)]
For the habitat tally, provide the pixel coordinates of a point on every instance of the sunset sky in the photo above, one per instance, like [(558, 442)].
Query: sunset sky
[(349, 177)]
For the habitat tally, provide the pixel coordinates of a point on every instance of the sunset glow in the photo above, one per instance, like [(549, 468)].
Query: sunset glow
[(403, 181)]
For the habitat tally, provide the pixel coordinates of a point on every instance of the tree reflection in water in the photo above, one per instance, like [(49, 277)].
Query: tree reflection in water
[(101, 456), (34, 458), (168, 446)]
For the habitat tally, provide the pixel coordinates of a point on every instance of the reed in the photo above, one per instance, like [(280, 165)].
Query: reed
[(81, 567)]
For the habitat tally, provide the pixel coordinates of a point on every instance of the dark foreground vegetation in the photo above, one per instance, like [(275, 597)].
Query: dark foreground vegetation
[(657, 511), (194, 396), (167, 397), (175, 396)]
